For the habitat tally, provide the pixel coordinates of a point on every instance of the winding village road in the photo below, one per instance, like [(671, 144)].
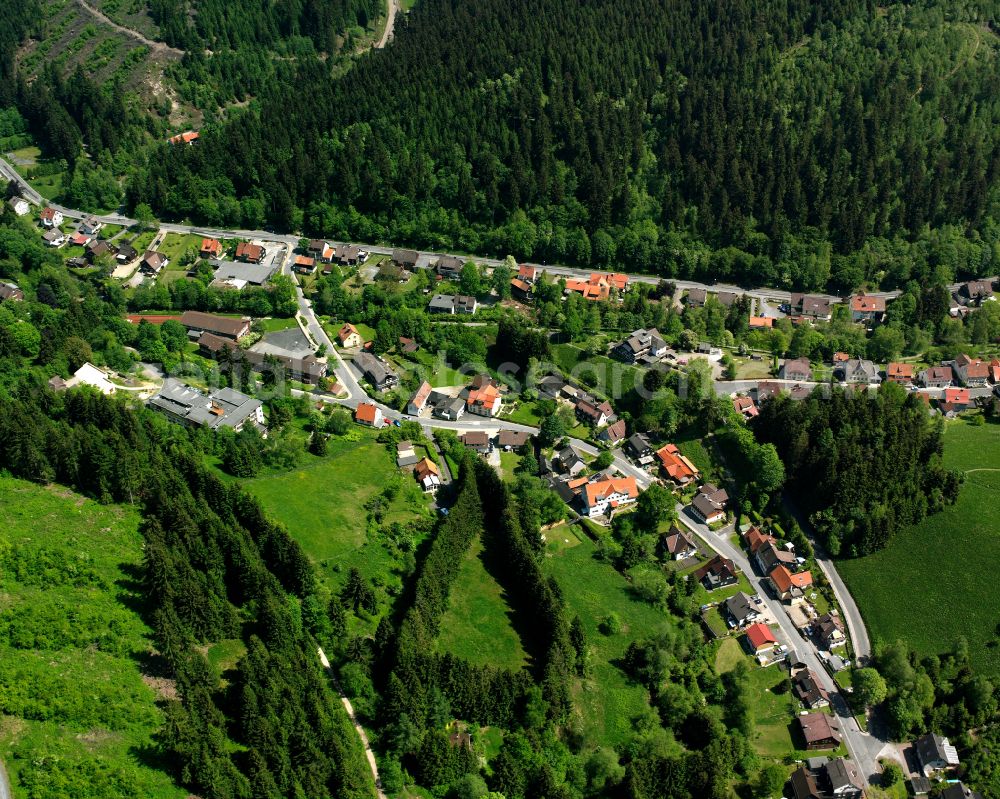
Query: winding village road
[(864, 747)]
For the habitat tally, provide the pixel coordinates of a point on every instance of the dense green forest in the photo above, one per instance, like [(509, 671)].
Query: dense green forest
[(863, 468), (769, 142)]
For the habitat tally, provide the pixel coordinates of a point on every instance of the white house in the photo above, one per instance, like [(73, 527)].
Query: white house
[(19, 205), (603, 496), (50, 217)]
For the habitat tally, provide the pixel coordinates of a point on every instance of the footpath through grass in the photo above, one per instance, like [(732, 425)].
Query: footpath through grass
[(78, 714), (477, 625), (932, 583)]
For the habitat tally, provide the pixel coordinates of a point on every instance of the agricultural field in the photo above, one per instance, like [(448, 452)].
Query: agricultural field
[(78, 684), (477, 625), (927, 587), (607, 699)]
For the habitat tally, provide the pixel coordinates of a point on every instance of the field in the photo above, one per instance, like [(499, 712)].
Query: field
[(614, 379), (76, 707), (175, 245), (322, 503), (477, 624), (929, 585), (608, 700)]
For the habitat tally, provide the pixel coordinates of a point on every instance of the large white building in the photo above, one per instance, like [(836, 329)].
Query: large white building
[(602, 497)]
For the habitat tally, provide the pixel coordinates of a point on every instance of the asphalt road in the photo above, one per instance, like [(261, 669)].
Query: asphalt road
[(4, 783), (864, 748)]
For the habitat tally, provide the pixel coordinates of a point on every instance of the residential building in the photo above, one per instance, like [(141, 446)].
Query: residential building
[(761, 322), (616, 281), (478, 440), (319, 250), (901, 373), (446, 407), (418, 401), (90, 226), (811, 307), (829, 630), (211, 249), (54, 237), (229, 327), (97, 249), (935, 377), (679, 544), (755, 538), (19, 206), (427, 474), (642, 344), (86, 375), (306, 369), (571, 462), (590, 411), (153, 262), (745, 406), (935, 753), (957, 790), (465, 304), (126, 253), (225, 407), (406, 455), (804, 784), (798, 369), (975, 292), (369, 414), (638, 446), (717, 573), (527, 273), (10, 292), (603, 497), (50, 217), (819, 730), (955, 400), (867, 309), (769, 556), (676, 465), (405, 259), (188, 137), (613, 434), (250, 253), (407, 345), (710, 504), (449, 266), (858, 371), (484, 401), (788, 586), (597, 288), (239, 275), (509, 440), (810, 693), (442, 303), (994, 371), (727, 298), (520, 289), (970, 372), (843, 779), (759, 638), (376, 371), (696, 298), (304, 265), (347, 255), (348, 336), (742, 609)]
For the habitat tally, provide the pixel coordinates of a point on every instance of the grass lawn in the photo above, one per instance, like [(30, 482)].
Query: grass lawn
[(429, 367), (477, 624), (729, 654), (272, 325), (614, 379), (175, 245), (925, 587), (524, 413), (74, 704), (321, 502), (49, 186), (607, 699), (508, 460)]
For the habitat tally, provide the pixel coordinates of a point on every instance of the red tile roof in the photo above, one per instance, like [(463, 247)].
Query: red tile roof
[(865, 304), (347, 330), (784, 580), (595, 492), (366, 412), (899, 371), (956, 396), (759, 635), (676, 465)]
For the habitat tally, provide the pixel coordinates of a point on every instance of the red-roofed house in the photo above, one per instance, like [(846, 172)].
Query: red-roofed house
[(304, 265), (348, 336), (746, 406), (613, 434), (427, 474), (788, 586), (520, 289), (602, 497), (50, 217), (614, 280), (419, 400), (368, 414), (901, 373), (211, 248), (756, 538), (867, 309), (955, 400), (527, 273), (589, 290), (676, 465), (760, 638), (995, 371), (187, 137), (761, 322), (484, 401), (249, 253)]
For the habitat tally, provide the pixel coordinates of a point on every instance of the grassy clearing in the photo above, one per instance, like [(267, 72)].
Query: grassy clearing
[(477, 624), (174, 245), (614, 379), (607, 700), (729, 654), (75, 707), (429, 367), (321, 502), (926, 587), (273, 325)]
